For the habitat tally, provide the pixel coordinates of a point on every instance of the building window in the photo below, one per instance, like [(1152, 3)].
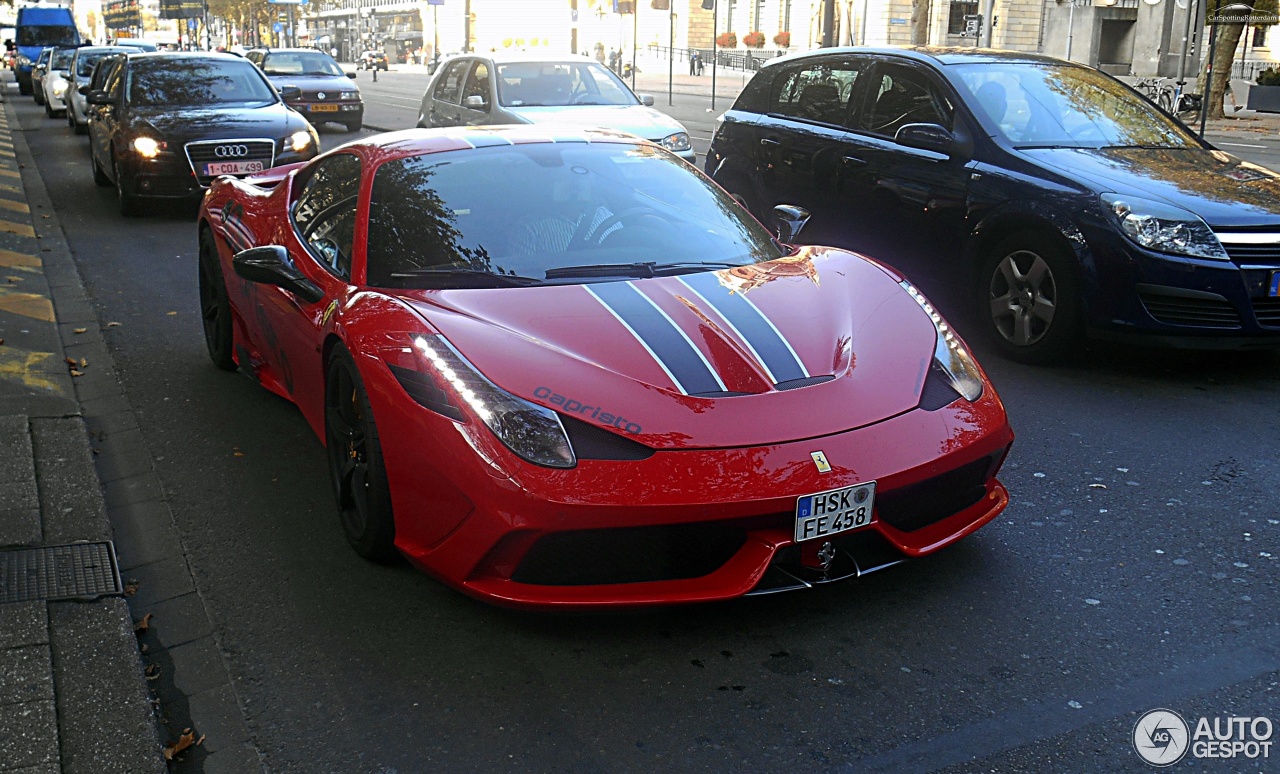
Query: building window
[(960, 9), (1260, 37), (755, 23), (732, 6), (786, 16)]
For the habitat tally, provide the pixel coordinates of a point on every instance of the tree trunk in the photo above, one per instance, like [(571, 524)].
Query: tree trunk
[(1224, 54), (920, 22)]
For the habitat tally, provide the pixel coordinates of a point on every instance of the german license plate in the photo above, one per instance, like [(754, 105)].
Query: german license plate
[(324, 108), (1273, 289), (232, 168), (836, 510)]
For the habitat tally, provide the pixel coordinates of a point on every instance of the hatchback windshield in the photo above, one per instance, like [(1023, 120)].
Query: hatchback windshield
[(603, 211), (61, 59), (555, 84), (181, 81), (1065, 106), (300, 63)]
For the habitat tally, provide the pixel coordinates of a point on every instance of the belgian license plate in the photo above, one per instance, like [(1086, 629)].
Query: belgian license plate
[(324, 108), (232, 168), (1273, 289), (836, 510)]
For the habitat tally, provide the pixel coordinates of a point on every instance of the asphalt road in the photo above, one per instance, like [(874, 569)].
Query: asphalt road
[(1136, 568)]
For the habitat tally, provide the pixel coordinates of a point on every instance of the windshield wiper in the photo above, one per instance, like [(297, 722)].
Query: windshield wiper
[(466, 278), (639, 269)]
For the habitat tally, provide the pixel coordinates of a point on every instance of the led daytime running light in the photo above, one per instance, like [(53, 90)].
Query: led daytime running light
[(950, 353)]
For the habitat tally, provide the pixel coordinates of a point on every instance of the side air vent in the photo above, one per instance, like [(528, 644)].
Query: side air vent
[(424, 392), (808, 381), (1177, 306), (1267, 310), (937, 391), (593, 443)]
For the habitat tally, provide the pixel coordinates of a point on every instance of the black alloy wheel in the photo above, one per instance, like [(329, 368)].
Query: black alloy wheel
[(356, 470), (100, 178), (1030, 298), (215, 306)]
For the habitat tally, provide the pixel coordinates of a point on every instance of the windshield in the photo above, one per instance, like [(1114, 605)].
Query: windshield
[(599, 205), (544, 84), (61, 59), (47, 35), (300, 63), (1047, 105), (179, 81)]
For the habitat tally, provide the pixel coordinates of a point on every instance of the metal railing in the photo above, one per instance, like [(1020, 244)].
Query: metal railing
[(732, 58), (1249, 70)]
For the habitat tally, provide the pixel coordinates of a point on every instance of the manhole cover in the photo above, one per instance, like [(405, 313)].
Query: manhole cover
[(76, 571)]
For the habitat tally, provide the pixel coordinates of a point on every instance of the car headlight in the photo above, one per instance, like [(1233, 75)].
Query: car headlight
[(23, 61), (59, 88), (147, 147), (1164, 227), (529, 430), (950, 353), (348, 95), (299, 140), (676, 142)]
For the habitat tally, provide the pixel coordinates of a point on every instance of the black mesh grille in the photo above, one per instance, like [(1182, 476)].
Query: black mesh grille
[(1203, 310), (914, 507), (1251, 253), (808, 381), (1267, 310), (593, 443), (630, 555), (424, 392), (937, 391)]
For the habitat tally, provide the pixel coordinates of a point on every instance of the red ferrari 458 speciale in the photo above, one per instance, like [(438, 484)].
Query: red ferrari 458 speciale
[(566, 370)]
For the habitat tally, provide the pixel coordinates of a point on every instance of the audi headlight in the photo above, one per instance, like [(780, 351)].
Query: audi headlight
[(1163, 227), (147, 147), (950, 353), (529, 430), (676, 142), (299, 141)]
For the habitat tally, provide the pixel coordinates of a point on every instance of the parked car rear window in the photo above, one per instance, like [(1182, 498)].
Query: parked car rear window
[(555, 84), (300, 63)]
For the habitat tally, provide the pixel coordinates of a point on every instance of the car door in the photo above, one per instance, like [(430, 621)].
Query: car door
[(104, 119), (447, 93), (477, 86), (914, 199), (799, 136)]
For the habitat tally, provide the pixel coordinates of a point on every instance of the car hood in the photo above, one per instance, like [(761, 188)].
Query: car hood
[(588, 352), (1220, 188), (315, 82), (635, 119), (268, 122)]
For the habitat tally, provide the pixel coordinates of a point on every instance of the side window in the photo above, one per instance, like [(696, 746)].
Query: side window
[(818, 91), (903, 95), (450, 84), (325, 212), (114, 84), (478, 83), (102, 72)]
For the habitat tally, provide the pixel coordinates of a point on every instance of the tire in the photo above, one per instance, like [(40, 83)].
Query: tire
[(48, 109), (39, 95), (356, 471), (100, 178), (130, 206), (24, 87), (1029, 298), (215, 306), (77, 126), (1165, 100), (355, 126)]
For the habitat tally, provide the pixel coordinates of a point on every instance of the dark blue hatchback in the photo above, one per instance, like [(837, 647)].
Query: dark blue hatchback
[(1072, 204)]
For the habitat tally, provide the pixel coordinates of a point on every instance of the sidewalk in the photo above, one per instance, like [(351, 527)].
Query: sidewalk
[(73, 697)]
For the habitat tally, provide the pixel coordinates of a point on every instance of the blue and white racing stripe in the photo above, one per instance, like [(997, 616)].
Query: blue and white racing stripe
[(756, 330), (670, 346)]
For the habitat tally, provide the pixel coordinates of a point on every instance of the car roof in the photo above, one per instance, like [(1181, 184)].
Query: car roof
[(934, 55), (186, 56), (282, 50), (407, 143), (503, 57), (104, 50)]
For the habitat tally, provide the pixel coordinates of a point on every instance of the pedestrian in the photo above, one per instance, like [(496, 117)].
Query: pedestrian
[(333, 52), (614, 59), (693, 63), (699, 62)]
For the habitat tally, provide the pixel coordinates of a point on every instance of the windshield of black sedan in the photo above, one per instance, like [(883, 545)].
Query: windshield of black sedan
[(1046, 105), (300, 63), (184, 82), (557, 84), (526, 209)]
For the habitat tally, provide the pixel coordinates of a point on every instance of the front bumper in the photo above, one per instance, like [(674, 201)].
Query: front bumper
[(344, 112), (170, 176)]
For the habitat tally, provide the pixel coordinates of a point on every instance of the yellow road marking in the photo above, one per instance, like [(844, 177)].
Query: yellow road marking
[(11, 189), (10, 173), (11, 260), (9, 204), (17, 228), (31, 305), (22, 366)]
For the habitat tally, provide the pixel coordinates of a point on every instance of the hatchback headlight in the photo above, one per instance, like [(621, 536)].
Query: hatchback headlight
[(348, 95), (676, 142), (299, 140), (529, 430), (1163, 227), (949, 353)]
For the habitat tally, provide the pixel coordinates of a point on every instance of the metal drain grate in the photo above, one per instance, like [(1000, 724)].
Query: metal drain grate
[(76, 571)]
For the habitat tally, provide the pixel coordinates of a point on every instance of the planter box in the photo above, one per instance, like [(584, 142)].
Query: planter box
[(1264, 99)]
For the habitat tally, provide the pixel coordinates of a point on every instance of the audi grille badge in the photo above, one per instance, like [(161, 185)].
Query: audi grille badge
[(231, 151)]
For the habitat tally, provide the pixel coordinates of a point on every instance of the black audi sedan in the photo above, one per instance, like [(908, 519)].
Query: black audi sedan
[(327, 94), (1071, 205), (164, 125)]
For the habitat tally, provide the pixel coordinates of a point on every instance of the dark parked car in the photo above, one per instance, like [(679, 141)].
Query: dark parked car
[(372, 60), (165, 125), (327, 93), (1072, 204), (38, 69)]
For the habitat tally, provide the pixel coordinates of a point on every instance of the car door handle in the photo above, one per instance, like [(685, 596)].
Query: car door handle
[(768, 143), (854, 160)]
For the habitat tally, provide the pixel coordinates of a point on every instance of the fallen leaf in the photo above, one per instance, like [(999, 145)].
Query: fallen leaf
[(1, 342), (1097, 486), (82, 330), (44, 216), (184, 741), (172, 314), (74, 372), (130, 589), (237, 454), (113, 325), (69, 361), (144, 624), (14, 279), (153, 671), (84, 363)]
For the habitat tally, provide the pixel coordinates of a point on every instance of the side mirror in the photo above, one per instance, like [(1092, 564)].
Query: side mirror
[(475, 102), (271, 265), (930, 137), (288, 93), (97, 97), (352, 76), (646, 99), (84, 90), (788, 220)]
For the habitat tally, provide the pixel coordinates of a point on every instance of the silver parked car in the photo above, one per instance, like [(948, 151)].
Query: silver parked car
[(478, 90), (81, 70), (53, 83)]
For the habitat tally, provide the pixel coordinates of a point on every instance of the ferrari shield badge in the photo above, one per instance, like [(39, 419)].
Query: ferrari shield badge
[(820, 460)]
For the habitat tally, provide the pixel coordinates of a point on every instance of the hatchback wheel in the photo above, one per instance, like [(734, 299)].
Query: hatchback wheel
[(129, 204), (1030, 298), (215, 306)]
